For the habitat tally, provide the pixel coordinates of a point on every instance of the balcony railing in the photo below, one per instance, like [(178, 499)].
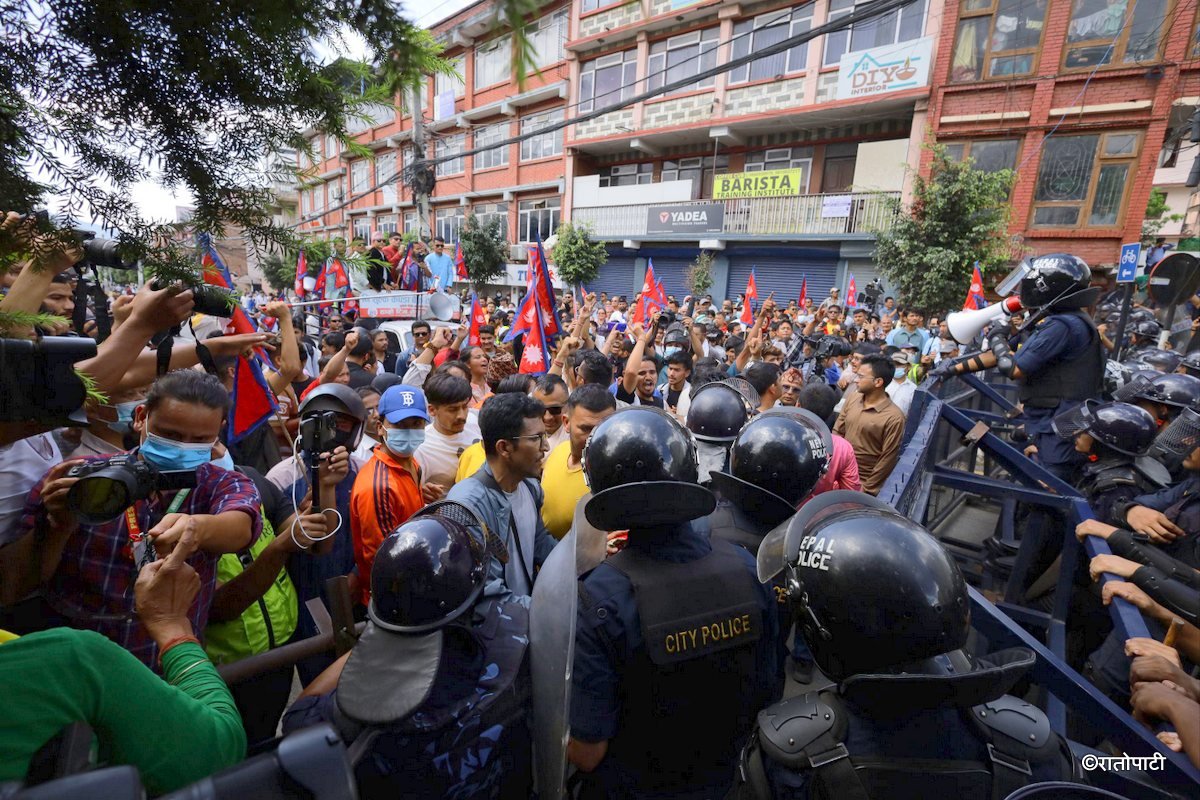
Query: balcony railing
[(810, 214)]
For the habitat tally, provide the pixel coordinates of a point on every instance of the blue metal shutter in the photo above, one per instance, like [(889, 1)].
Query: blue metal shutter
[(615, 277), (782, 270)]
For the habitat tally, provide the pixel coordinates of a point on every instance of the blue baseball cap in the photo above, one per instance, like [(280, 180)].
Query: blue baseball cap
[(400, 402)]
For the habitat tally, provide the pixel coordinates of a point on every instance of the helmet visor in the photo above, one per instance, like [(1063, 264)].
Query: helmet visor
[(1131, 391), (1006, 287), (1073, 422), (1182, 436)]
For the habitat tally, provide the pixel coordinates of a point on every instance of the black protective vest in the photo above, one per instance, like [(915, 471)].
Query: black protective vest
[(688, 696), (730, 523), (1078, 377)]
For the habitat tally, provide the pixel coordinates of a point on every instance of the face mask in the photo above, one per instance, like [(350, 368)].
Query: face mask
[(404, 441), (224, 462), (670, 351), (124, 423), (169, 454), (900, 372)]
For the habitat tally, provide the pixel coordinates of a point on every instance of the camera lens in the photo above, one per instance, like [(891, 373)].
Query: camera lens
[(105, 253), (101, 496)]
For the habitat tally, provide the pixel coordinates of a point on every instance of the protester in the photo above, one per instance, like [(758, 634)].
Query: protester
[(551, 392), (563, 480), (453, 430), (873, 424)]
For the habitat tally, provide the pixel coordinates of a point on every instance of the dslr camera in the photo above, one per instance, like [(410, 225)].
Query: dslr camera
[(38, 380), (109, 486), (213, 301)]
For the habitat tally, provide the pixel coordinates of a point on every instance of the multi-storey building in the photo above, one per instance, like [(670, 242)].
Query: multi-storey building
[(825, 126), (1079, 97), (520, 184)]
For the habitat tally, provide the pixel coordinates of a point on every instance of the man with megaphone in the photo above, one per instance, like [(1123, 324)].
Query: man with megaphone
[(1062, 362)]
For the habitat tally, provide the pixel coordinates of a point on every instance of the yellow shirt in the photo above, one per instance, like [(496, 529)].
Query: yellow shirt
[(563, 487), (469, 462)]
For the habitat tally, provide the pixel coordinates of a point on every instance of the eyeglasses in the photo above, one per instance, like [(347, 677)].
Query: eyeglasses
[(554, 410), (438, 246), (541, 437), (420, 333)]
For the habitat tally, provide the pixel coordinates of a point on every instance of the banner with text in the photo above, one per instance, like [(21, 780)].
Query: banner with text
[(881, 70), (698, 218), (768, 183)]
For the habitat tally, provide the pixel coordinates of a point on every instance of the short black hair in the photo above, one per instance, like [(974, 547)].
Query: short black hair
[(592, 397), (453, 367), (594, 367), (366, 391), (881, 366), (762, 375), (446, 389), (819, 398), (682, 358), (438, 239), (503, 416), (336, 340), (707, 370), (421, 324), (189, 386), (487, 329), (548, 383), (517, 382)]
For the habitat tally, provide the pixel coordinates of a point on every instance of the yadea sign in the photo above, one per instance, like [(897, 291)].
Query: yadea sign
[(881, 70), (697, 218)]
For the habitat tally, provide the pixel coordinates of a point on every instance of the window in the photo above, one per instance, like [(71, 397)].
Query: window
[(627, 174), (332, 146), (779, 158), (607, 80), (360, 176), (547, 37), (487, 212), (543, 145), (902, 25), (410, 223), (408, 155), (1082, 180), (698, 170), (385, 170), (362, 229), (447, 223), (1107, 32), (452, 83), (448, 146), (493, 62), (386, 225), (680, 56), (751, 35), (536, 217), (487, 136), (306, 201), (997, 39), (318, 198), (592, 5), (990, 156)]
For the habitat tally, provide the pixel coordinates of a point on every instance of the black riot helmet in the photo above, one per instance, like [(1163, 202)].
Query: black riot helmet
[(1163, 360), (1116, 375), (1175, 391), (1141, 315), (1122, 427), (642, 468), (1191, 364), (1057, 280), (871, 590), (774, 464), (343, 400), (717, 412), (677, 336), (1147, 329)]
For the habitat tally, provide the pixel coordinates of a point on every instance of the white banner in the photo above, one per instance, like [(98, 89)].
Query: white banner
[(881, 70)]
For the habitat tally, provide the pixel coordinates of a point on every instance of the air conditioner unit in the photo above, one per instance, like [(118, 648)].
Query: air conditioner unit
[(335, 193), (518, 252)]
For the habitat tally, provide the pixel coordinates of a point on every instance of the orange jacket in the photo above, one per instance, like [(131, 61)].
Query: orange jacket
[(385, 494)]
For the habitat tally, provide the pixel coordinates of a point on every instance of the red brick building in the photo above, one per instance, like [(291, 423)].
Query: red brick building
[(521, 184), (1079, 97)]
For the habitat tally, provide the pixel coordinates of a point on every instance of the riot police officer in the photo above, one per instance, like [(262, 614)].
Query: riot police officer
[(675, 639), (718, 410), (1112, 436), (1061, 364), (885, 611), (434, 694), (1190, 364), (1164, 396)]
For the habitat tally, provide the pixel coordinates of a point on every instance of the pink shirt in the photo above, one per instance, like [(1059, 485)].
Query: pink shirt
[(843, 469)]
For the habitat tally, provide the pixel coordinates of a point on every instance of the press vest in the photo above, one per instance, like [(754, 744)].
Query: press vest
[(687, 697), (1077, 377), (267, 623)]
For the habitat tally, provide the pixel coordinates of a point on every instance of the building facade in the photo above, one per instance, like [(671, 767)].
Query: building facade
[(1082, 98), (701, 167)]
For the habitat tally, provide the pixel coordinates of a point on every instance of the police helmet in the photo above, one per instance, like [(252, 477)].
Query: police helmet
[(1141, 315), (1173, 390), (1147, 329), (1163, 360), (1191, 364), (677, 336), (774, 464), (1116, 375), (1057, 280), (642, 468), (717, 411), (869, 588), (1123, 427), (343, 400)]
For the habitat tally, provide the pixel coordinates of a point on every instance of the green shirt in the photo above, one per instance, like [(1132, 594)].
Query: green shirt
[(174, 734)]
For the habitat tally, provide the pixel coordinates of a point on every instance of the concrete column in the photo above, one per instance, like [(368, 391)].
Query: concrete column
[(720, 276)]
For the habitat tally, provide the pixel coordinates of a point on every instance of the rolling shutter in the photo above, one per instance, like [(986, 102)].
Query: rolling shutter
[(782, 270)]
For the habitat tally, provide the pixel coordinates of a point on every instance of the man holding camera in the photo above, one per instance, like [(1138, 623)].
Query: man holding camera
[(87, 571)]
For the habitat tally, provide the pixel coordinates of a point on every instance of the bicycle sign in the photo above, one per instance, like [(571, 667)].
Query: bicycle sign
[(1127, 269)]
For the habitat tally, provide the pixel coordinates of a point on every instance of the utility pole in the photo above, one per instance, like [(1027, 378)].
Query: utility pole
[(422, 179)]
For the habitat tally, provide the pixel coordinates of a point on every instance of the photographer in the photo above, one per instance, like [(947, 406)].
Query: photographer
[(87, 571)]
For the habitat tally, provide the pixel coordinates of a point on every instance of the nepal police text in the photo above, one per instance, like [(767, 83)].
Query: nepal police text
[(708, 634), (815, 553)]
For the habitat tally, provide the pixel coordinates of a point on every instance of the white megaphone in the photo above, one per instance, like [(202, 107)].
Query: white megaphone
[(964, 326), (443, 307)]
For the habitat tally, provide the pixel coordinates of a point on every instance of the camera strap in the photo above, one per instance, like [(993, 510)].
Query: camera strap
[(140, 545)]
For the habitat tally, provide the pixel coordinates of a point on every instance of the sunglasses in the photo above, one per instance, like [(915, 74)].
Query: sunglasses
[(554, 410)]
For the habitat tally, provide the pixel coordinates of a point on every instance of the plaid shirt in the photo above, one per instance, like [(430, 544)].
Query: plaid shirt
[(97, 572)]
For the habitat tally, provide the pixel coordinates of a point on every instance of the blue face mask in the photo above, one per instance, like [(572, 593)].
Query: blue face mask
[(124, 423), (168, 454), (670, 351), (901, 372), (405, 441), (224, 462)]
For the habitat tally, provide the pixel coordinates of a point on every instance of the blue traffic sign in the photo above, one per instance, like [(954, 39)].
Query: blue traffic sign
[(1127, 269)]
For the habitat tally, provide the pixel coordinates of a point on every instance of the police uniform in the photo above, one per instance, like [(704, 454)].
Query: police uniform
[(1062, 364), (674, 652)]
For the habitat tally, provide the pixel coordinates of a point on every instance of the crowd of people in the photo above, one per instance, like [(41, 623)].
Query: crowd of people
[(725, 475)]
